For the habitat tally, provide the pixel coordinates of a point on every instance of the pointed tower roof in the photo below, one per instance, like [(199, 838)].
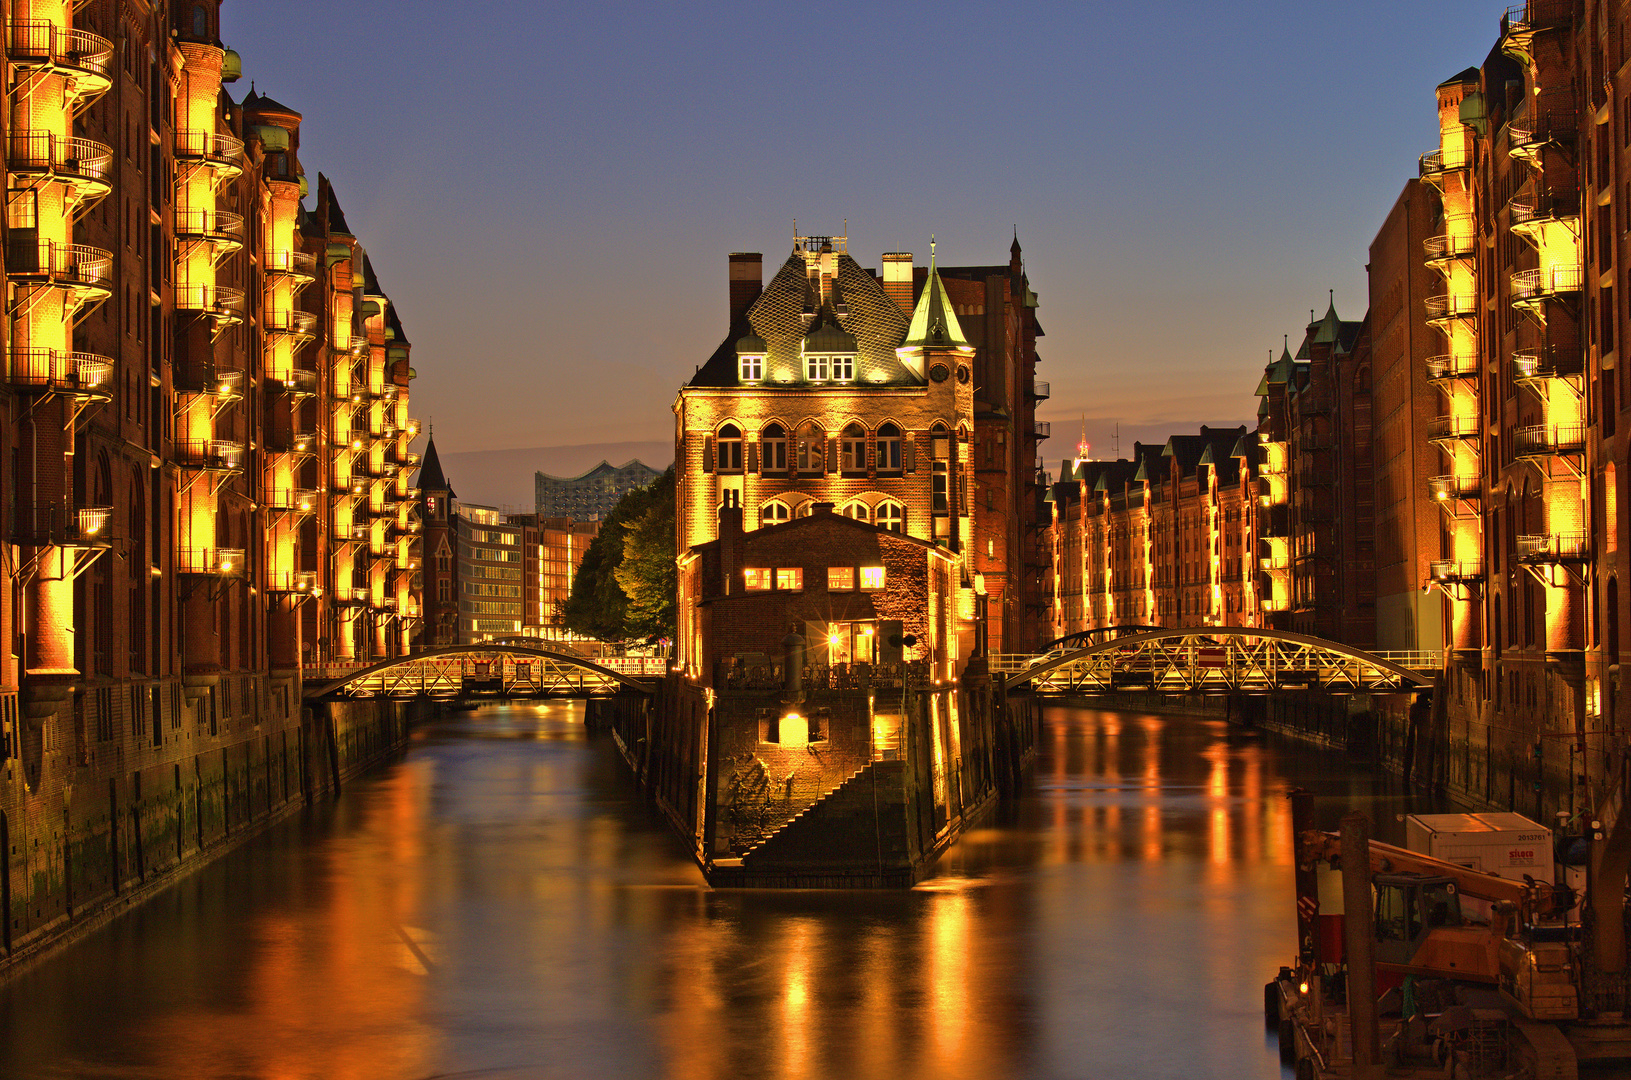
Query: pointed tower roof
[(1331, 325), (430, 473), (336, 216), (934, 323)]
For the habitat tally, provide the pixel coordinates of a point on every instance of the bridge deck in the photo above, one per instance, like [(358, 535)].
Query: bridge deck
[(502, 672)]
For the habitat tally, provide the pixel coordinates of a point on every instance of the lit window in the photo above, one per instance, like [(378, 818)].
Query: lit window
[(757, 578), (816, 368), (810, 447), (892, 516), (840, 577), (871, 577), (852, 449), (774, 444), (753, 368), (858, 511), (730, 448), (889, 448), (843, 368), (774, 513), (790, 578)]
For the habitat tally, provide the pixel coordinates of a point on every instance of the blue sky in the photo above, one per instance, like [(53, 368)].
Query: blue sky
[(549, 192)]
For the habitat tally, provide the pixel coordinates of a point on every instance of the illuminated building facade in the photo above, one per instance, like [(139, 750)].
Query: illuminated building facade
[(171, 460)]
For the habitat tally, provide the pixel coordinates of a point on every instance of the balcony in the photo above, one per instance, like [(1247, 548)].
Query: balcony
[(86, 272), (1553, 362), (349, 532), (1040, 391), (222, 230), (1434, 165), (50, 372), (301, 266), (209, 455), (295, 384), (1450, 245), (1445, 488), (350, 596), (1445, 428), (1275, 562), (58, 526), (293, 500), (213, 562), (1274, 604), (1041, 429), (1544, 548), (1533, 287), (300, 325), (80, 163), (290, 442), (1548, 440), (1549, 206), (1547, 121), (79, 57), (1441, 368), (218, 302), (1456, 571), (299, 582), (1451, 306), (209, 150)]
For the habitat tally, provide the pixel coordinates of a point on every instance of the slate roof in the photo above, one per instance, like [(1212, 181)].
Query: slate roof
[(261, 103), (336, 216), (430, 472), (395, 324), (788, 307)]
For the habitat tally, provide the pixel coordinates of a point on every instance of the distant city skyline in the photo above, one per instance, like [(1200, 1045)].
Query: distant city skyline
[(555, 231)]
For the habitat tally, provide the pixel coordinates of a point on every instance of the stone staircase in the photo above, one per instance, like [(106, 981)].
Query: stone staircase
[(857, 824)]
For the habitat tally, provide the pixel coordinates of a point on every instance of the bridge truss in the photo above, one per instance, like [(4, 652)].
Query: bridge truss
[(496, 671), (1217, 660)]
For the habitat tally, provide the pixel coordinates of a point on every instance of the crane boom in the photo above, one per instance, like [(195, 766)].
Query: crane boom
[(1387, 859)]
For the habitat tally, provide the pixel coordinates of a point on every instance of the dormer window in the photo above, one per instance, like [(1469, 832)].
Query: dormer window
[(843, 368), (816, 368), (753, 367)]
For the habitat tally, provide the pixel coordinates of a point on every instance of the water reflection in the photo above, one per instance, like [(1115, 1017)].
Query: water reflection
[(500, 903)]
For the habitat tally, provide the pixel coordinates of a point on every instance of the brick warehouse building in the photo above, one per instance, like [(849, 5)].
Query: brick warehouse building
[(205, 427)]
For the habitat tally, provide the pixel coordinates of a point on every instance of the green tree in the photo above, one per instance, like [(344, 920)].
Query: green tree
[(600, 605)]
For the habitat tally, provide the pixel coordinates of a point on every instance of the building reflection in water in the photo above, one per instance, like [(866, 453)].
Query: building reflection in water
[(501, 904)]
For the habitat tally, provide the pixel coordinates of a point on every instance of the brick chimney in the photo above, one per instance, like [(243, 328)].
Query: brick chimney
[(747, 281), (730, 549), (897, 278)]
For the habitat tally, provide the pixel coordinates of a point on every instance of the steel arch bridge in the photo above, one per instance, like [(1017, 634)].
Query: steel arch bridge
[(1218, 660), (493, 671), (1081, 639)]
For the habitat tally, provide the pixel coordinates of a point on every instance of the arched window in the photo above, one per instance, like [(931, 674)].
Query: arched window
[(774, 439), (201, 21), (730, 448), (891, 516), (810, 447), (805, 509), (857, 510), (852, 449), (889, 448), (774, 513), (940, 442)]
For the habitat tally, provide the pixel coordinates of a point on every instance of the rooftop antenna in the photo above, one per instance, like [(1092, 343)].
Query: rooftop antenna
[(1115, 444)]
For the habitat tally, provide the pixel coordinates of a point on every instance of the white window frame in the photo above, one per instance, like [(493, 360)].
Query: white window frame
[(753, 367), (817, 367), (843, 368)]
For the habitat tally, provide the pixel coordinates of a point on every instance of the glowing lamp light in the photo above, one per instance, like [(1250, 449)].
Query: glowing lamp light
[(356, 444), (832, 638)]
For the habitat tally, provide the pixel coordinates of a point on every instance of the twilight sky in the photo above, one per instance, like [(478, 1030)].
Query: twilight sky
[(549, 191)]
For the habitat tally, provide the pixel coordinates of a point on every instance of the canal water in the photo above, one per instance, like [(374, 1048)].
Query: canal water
[(499, 904)]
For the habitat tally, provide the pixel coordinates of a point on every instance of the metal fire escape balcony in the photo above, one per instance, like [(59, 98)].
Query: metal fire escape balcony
[(1553, 548), (219, 303), (1451, 306), (209, 455), (80, 58), (1041, 429), (291, 500), (1549, 121), (1448, 488), (223, 154), (1040, 391), (81, 164), (299, 582), (1552, 362), (1532, 288), (1548, 440), (221, 230), (299, 266), (1447, 428), (299, 325), (1520, 24), (1456, 571), (292, 441), (59, 526), (1529, 215), (212, 562), (46, 371), (295, 384), (1443, 368), (1434, 166), (1449, 246), (85, 273)]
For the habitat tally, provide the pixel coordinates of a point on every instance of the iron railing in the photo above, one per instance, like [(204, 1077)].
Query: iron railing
[(1456, 571), (301, 324), (70, 265), (1451, 306), (72, 159), (1544, 440), (220, 562), (1552, 281), (34, 42), (1451, 367), (209, 148), (1554, 362), (208, 455), (294, 581), (58, 372), (1553, 547), (208, 223), (1453, 427), (218, 301), (59, 526), (1455, 487)]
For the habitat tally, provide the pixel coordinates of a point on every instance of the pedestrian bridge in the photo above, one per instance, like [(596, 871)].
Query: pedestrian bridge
[(493, 671), (1215, 660)]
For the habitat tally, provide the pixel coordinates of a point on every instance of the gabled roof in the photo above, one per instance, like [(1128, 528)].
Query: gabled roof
[(401, 336), (934, 321), (370, 283), (261, 103), (430, 472), (336, 216)]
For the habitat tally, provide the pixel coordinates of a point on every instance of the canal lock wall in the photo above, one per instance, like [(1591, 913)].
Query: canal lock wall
[(116, 792), (878, 780)]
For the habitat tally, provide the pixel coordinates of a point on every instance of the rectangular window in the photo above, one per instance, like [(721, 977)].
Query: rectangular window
[(757, 578), (843, 368), (840, 577), (790, 578), (871, 577), (753, 368), (816, 367)]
